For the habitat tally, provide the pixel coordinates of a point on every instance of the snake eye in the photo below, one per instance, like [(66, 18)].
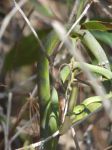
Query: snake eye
[(79, 109)]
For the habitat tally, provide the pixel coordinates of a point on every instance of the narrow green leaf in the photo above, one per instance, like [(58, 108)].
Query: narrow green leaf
[(104, 37), (53, 127), (97, 25), (64, 73), (80, 7), (54, 99), (50, 42), (72, 102), (96, 69), (53, 122), (47, 112), (93, 45)]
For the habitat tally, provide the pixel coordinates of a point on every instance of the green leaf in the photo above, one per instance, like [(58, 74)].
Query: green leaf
[(28, 51), (25, 52), (97, 25), (79, 7), (50, 42), (53, 127), (53, 122), (93, 45), (54, 99), (64, 73), (104, 37), (96, 69), (47, 112)]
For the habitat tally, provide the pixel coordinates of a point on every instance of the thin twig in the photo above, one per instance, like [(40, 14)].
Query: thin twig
[(32, 29), (31, 78), (73, 11), (33, 94), (79, 19), (23, 109), (40, 142), (28, 16), (75, 138), (108, 148), (8, 121), (83, 82), (22, 128), (90, 127), (3, 124), (74, 24), (37, 144), (5, 132), (8, 18), (87, 138), (19, 118), (103, 7)]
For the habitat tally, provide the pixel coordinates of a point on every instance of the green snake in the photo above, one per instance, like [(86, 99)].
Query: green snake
[(81, 111)]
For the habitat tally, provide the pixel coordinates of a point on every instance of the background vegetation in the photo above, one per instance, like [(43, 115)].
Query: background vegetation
[(55, 74)]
